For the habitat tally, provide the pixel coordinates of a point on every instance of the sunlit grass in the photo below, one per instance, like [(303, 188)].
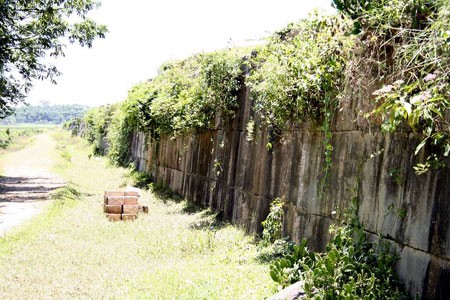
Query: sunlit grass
[(16, 137), (74, 252)]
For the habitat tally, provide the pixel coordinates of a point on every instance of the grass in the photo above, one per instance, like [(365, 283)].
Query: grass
[(73, 252), (16, 137)]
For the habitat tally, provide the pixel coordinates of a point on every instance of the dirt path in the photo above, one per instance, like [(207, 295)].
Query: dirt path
[(26, 182)]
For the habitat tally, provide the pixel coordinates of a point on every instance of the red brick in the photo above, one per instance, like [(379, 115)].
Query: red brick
[(114, 217), (116, 200), (131, 200), (113, 209), (130, 209), (132, 193), (129, 217), (114, 193)]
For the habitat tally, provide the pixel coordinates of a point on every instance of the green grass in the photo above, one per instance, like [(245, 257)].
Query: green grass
[(16, 137), (73, 252)]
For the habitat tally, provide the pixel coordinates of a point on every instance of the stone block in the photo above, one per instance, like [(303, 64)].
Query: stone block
[(129, 217), (114, 217), (292, 292), (131, 209), (113, 209)]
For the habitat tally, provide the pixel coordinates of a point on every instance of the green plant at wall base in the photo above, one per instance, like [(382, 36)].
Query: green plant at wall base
[(350, 268), (273, 224)]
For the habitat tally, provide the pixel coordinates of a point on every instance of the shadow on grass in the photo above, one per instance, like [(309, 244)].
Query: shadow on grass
[(280, 248), (146, 182), (209, 219)]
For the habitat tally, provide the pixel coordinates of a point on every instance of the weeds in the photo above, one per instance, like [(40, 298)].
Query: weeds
[(351, 267), (273, 225)]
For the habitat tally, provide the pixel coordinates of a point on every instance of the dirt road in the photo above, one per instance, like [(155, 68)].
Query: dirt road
[(26, 181)]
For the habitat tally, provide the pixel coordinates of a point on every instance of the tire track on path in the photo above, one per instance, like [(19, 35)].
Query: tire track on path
[(26, 182)]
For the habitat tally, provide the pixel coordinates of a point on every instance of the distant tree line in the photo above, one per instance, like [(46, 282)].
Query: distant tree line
[(45, 114)]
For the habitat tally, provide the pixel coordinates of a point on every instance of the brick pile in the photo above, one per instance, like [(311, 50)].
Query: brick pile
[(122, 205)]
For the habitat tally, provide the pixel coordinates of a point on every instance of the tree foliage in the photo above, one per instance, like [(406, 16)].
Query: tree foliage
[(32, 30)]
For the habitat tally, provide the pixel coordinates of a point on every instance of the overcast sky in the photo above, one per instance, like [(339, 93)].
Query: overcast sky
[(143, 34)]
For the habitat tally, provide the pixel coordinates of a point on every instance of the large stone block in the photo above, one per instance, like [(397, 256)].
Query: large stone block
[(412, 269)]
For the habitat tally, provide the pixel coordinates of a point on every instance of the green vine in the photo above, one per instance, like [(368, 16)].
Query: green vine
[(298, 77), (273, 224)]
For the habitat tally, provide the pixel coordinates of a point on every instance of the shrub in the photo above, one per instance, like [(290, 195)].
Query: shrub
[(273, 224), (351, 268)]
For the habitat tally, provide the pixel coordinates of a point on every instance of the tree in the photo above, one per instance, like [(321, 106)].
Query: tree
[(31, 30)]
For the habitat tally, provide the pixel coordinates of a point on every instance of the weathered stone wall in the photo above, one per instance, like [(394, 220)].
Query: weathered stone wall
[(223, 170)]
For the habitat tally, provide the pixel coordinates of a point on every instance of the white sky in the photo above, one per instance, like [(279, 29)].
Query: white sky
[(143, 34)]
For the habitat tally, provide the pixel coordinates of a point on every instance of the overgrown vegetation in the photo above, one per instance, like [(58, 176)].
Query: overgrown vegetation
[(185, 96), (350, 268), (94, 126), (298, 75), (408, 40)]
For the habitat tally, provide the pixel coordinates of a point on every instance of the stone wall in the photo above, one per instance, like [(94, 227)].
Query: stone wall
[(222, 169)]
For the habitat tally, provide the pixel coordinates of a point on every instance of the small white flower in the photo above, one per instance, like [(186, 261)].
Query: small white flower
[(429, 77), (384, 90)]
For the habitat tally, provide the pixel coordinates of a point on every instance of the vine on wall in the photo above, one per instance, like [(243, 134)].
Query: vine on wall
[(410, 42), (299, 76)]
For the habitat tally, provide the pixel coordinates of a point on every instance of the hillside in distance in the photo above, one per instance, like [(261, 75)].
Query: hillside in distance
[(45, 113)]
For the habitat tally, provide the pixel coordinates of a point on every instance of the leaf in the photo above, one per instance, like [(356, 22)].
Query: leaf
[(420, 146)]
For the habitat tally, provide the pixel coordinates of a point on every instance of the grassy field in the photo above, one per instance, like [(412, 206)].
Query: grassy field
[(15, 137), (73, 252)]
